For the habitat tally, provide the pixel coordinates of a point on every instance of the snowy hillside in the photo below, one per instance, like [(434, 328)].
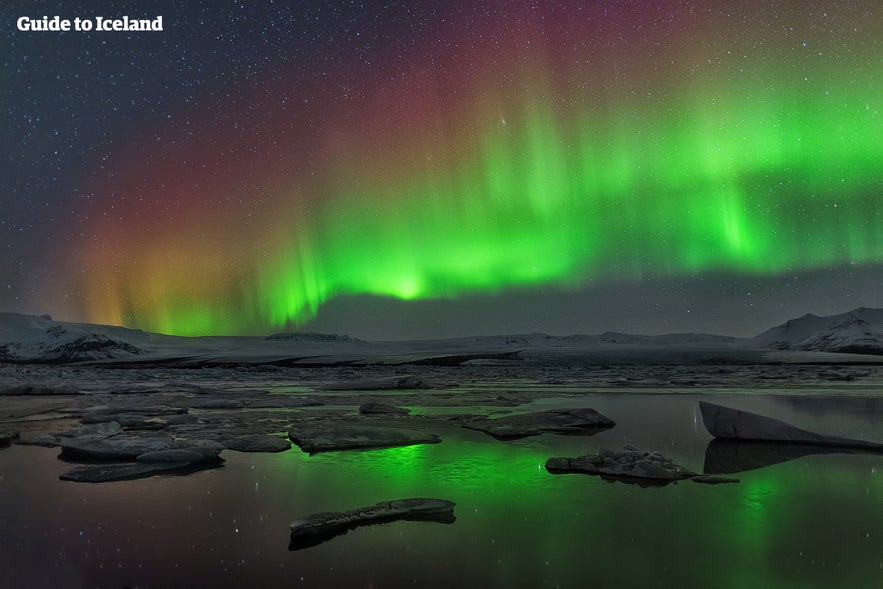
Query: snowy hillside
[(26, 338), (858, 332), (30, 338)]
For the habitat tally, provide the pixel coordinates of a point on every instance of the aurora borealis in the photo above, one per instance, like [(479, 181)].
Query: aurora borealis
[(493, 149)]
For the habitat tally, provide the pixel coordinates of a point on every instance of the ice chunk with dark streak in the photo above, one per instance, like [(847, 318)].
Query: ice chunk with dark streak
[(734, 424), (320, 527)]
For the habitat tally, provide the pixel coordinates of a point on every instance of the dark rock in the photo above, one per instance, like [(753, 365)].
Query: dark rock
[(119, 447), (87, 419), (101, 430), (727, 423), (504, 401), (93, 432), (286, 401), (6, 438), (213, 404), (154, 455), (194, 453), (97, 413), (628, 465), (92, 346), (712, 480), (378, 384), (319, 527), (104, 473), (256, 443), (140, 422), (653, 470), (46, 441), (127, 421), (371, 408), (182, 419), (39, 390), (315, 439), (556, 421)]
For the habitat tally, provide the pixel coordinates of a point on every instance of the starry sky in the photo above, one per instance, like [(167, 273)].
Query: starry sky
[(433, 169)]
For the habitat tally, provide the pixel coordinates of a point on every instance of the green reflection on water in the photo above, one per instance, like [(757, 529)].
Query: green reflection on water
[(813, 522)]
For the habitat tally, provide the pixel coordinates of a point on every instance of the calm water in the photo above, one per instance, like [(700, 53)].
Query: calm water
[(816, 521)]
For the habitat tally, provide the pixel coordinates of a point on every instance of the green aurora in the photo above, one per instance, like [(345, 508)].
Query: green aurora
[(533, 178), (787, 186)]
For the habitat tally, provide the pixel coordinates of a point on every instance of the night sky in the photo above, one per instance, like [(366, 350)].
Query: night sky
[(430, 169)]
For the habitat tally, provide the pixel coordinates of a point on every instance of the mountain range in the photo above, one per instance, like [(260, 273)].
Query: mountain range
[(40, 339)]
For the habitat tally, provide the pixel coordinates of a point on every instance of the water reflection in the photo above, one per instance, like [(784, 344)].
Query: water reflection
[(731, 456), (812, 522)]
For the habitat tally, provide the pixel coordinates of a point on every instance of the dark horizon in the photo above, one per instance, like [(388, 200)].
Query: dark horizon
[(415, 312)]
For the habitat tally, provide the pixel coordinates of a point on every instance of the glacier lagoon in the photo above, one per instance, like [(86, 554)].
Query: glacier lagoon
[(810, 519)]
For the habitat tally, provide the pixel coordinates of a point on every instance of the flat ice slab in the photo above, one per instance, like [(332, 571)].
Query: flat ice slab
[(556, 421), (325, 438), (319, 527)]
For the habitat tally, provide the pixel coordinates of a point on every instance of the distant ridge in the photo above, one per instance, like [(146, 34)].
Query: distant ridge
[(29, 337), (40, 339), (857, 332), (32, 338), (310, 336)]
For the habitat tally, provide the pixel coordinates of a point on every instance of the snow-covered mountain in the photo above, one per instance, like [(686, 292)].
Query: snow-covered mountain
[(24, 337), (857, 332), (27, 338)]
